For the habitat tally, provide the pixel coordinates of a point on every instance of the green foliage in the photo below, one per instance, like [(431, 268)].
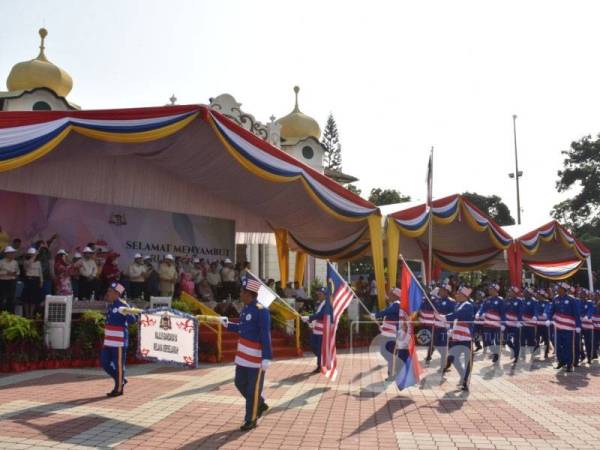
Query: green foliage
[(182, 306), (380, 197), (16, 328), (315, 285), (88, 332), (332, 159), (581, 168), (354, 189), (493, 206)]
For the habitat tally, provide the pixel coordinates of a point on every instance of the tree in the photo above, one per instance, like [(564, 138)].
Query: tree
[(381, 197), (493, 206), (355, 189), (331, 142), (581, 168)]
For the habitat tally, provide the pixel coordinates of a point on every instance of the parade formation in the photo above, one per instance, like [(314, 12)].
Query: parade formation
[(220, 269)]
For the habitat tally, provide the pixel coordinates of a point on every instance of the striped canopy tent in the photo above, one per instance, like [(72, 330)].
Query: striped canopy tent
[(193, 160), (464, 238), (549, 251)]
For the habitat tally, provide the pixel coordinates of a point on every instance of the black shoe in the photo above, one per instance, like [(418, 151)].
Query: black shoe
[(114, 394), (317, 370), (447, 368), (247, 426), (589, 360), (559, 366), (515, 361), (495, 358), (262, 409), (464, 388), (535, 349), (576, 364), (477, 348), (569, 369)]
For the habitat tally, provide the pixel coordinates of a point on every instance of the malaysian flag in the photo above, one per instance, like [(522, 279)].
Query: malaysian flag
[(339, 295)]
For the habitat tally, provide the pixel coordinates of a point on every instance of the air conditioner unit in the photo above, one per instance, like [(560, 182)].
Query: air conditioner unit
[(57, 321), (160, 302)]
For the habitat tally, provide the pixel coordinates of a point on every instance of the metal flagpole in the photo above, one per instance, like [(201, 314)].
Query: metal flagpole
[(430, 219)]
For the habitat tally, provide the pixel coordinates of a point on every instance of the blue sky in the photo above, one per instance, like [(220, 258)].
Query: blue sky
[(398, 76)]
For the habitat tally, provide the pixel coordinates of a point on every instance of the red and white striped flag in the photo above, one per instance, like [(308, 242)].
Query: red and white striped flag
[(339, 295)]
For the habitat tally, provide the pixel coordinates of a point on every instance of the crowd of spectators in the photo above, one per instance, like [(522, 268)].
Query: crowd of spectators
[(29, 273)]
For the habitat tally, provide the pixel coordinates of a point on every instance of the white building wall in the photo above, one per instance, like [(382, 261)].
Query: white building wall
[(26, 102)]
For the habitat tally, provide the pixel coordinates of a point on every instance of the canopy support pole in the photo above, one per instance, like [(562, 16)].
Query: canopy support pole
[(393, 250), (300, 267), (375, 233), (283, 255)]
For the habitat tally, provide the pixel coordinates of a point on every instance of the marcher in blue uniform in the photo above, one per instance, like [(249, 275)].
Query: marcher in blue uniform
[(389, 330), (478, 326), (461, 335), (492, 312), (116, 335), (587, 325), (444, 305), (564, 313), (254, 352), (596, 321), (544, 335), (530, 321), (316, 321), (513, 312)]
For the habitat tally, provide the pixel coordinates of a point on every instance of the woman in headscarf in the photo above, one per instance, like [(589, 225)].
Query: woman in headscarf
[(62, 274), (32, 291), (110, 272)]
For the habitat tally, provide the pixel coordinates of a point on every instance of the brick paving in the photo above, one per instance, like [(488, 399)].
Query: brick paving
[(530, 406)]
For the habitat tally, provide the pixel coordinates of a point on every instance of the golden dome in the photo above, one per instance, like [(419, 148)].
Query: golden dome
[(297, 125), (39, 72)]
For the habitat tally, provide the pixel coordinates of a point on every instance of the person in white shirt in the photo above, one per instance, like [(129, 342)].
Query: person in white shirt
[(168, 276), (230, 287), (34, 279), (214, 279), (9, 271), (136, 272), (88, 275)]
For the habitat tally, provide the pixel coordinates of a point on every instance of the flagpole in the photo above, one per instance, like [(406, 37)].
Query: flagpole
[(430, 219), (420, 287), (296, 313)]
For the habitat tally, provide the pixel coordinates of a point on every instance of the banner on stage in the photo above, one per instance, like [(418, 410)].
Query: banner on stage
[(124, 230), (168, 336)]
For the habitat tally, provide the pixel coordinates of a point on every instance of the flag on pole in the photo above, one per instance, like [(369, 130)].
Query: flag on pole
[(430, 179), (412, 296), (410, 302), (338, 297), (265, 296)]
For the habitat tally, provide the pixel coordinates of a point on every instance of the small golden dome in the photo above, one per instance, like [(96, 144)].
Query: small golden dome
[(297, 125), (39, 72)]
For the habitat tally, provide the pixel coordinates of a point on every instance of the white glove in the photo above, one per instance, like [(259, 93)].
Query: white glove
[(477, 317), (519, 325), (372, 316), (577, 330), (502, 328), (264, 365), (305, 319), (547, 323), (224, 321), (121, 310)]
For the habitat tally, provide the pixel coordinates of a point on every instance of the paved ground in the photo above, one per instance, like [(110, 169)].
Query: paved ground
[(532, 406)]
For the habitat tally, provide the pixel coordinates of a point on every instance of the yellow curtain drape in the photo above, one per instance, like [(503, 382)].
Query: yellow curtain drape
[(375, 234), (393, 250), (300, 266), (283, 252)]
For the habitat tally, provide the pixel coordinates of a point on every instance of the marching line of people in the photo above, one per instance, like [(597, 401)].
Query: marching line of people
[(564, 319)]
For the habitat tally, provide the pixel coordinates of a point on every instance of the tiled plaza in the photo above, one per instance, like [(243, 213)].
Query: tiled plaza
[(530, 406)]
